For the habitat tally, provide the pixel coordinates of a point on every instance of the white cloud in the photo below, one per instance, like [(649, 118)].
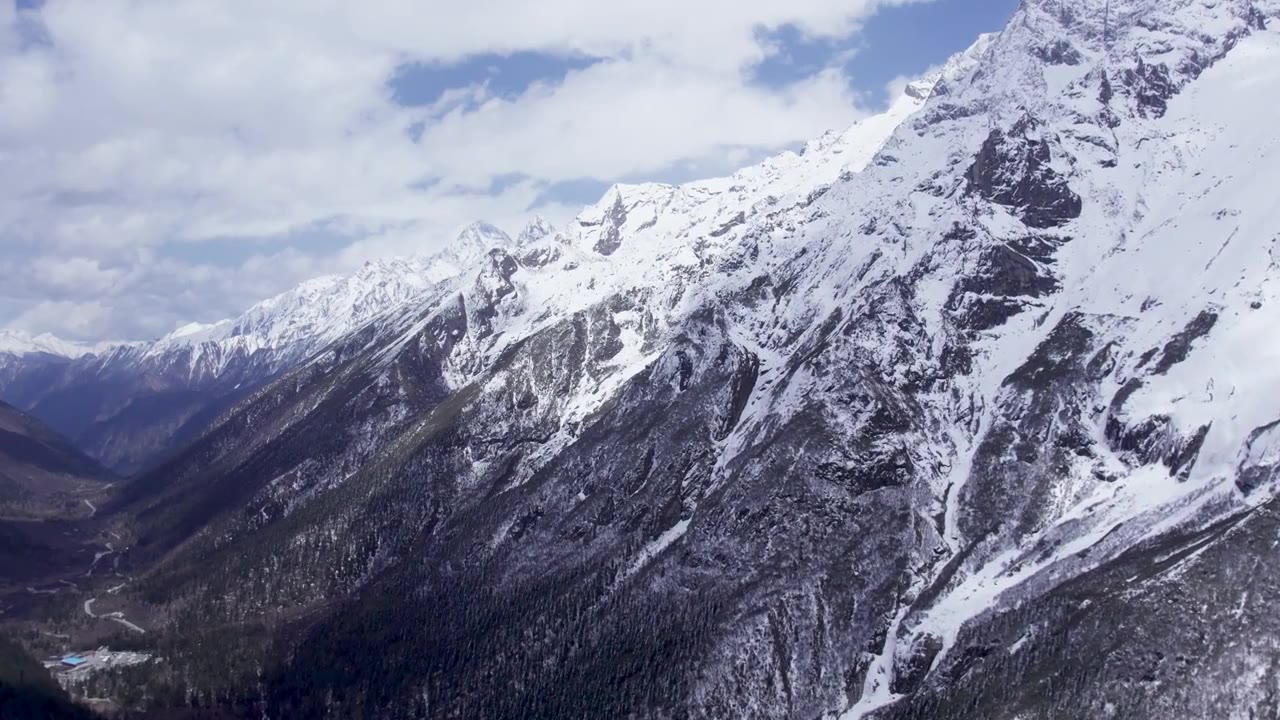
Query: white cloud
[(127, 126), (629, 117)]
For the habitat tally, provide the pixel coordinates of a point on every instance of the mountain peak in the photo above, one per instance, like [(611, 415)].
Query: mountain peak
[(537, 229), (480, 236)]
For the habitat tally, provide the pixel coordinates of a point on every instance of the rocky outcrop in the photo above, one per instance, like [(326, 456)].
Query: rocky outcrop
[(1016, 169)]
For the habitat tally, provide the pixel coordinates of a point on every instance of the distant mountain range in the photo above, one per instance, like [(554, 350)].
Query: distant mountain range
[(128, 404)]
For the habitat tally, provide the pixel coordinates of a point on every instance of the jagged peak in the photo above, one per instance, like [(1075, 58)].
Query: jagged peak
[(536, 229), (1122, 29), (965, 61), (919, 89), (1053, 56), (621, 197), (636, 192), (321, 309)]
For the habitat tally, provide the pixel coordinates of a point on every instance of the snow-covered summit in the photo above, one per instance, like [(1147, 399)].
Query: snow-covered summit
[(466, 250), (14, 342), (478, 237), (537, 229)]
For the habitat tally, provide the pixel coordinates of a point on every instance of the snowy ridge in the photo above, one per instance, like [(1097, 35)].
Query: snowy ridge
[(561, 273), (323, 309), (14, 342), (298, 321), (661, 244), (279, 332), (662, 239)]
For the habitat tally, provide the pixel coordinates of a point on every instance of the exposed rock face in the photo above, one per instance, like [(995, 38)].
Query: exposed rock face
[(1174, 628), (1016, 170), (1008, 279), (611, 231), (1150, 86)]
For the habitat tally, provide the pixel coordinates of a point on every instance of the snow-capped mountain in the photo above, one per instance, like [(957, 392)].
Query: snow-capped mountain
[(125, 403), (221, 362), (537, 229), (963, 414)]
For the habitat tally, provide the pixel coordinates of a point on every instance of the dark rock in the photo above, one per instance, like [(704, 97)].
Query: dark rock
[(1059, 52), (1150, 86), (1014, 170), (539, 256), (1183, 460), (1006, 277), (1177, 349), (1253, 475), (737, 220), (910, 672), (1006, 272), (1038, 432), (611, 231), (1257, 20)]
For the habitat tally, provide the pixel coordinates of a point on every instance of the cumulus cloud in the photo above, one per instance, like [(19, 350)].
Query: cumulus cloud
[(129, 128)]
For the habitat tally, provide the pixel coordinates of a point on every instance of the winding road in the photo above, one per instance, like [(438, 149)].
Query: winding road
[(114, 616), (118, 617)]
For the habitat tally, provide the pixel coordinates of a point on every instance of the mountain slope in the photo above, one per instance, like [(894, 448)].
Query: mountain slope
[(911, 440), (47, 487), (459, 328), (27, 692), (41, 473)]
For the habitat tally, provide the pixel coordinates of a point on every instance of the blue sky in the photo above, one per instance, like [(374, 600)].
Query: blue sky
[(897, 41), (909, 39), (176, 161)]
